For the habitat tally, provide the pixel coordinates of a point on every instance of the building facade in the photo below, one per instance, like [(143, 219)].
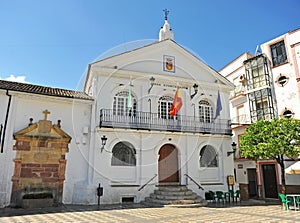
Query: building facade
[(119, 134), (266, 87)]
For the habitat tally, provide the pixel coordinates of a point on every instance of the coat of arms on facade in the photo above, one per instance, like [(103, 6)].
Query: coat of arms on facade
[(169, 63)]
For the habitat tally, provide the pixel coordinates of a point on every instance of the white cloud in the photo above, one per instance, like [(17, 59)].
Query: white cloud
[(15, 78)]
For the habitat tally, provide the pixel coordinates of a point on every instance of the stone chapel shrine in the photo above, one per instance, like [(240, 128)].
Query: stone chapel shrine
[(39, 164)]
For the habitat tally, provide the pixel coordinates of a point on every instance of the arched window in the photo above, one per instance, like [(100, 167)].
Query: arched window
[(205, 111), (164, 106), (208, 157), (120, 104), (123, 154)]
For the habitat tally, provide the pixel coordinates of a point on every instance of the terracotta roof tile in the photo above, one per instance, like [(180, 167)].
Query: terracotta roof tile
[(37, 89)]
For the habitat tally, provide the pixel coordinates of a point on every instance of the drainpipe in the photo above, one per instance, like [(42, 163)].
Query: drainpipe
[(6, 120), (1, 128)]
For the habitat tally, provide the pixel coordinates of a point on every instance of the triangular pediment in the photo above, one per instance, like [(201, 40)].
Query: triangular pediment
[(152, 59), (43, 129)]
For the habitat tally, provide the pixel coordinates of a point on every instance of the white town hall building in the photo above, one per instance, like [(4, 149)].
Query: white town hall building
[(60, 144)]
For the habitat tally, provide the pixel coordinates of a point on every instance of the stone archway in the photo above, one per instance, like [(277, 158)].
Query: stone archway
[(168, 164)]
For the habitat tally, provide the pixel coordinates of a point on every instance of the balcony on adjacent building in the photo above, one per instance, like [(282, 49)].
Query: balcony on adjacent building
[(153, 121), (238, 91), (243, 119)]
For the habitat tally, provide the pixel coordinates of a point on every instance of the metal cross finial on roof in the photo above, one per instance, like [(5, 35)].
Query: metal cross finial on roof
[(166, 13), (46, 113)]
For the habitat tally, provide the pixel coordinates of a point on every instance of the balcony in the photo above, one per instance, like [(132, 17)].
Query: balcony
[(244, 119), (238, 91), (153, 121)]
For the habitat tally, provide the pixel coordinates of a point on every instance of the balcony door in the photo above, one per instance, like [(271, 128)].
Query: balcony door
[(121, 104), (164, 106), (168, 164)]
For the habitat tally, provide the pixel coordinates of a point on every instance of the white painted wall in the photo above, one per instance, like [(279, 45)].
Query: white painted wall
[(138, 67), (287, 96), (74, 116)]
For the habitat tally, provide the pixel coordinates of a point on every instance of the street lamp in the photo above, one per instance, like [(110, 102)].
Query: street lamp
[(233, 145), (152, 79), (103, 139), (195, 86)]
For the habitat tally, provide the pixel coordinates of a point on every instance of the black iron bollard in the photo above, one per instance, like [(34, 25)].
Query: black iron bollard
[(99, 193)]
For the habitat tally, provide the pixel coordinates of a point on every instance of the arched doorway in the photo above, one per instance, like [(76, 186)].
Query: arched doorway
[(168, 164)]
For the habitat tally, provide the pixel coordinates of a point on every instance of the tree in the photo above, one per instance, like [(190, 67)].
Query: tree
[(272, 140)]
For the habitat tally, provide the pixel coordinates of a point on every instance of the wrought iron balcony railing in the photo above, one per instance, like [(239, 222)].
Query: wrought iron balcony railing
[(154, 121)]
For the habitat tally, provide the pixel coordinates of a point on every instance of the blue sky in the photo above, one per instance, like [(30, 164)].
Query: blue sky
[(52, 42)]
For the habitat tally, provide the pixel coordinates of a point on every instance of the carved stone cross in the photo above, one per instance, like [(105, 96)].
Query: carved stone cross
[(46, 113)]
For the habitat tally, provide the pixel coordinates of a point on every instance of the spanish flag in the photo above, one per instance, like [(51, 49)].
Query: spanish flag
[(177, 103)]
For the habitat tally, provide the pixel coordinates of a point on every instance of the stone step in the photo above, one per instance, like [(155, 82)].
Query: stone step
[(172, 188), (175, 193), (174, 202), (174, 197)]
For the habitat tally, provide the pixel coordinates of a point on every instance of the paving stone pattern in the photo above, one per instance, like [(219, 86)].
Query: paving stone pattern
[(119, 214)]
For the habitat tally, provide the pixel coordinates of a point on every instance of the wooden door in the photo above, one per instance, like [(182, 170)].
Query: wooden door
[(269, 179), (252, 183), (168, 164)]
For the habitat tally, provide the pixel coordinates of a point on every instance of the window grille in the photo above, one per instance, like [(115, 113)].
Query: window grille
[(123, 154), (208, 157)]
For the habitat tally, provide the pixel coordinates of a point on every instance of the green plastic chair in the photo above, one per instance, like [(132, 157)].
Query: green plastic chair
[(231, 194), (298, 201), (212, 195), (237, 195), (220, 196), (284, 201)]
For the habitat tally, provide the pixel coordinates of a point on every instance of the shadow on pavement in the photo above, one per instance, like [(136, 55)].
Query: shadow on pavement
[(250, 202), (8, 211)]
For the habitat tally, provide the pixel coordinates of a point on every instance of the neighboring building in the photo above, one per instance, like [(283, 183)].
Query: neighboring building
[(118, 134), (267, 86)]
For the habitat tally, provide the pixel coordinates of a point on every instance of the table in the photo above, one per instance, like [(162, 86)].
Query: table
[(294, 199)]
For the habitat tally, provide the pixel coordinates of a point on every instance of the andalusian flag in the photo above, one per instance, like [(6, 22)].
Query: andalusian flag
[(129, 99), (177, 103)]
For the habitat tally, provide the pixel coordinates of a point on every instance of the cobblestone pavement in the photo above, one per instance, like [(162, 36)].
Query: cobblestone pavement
[(139, 213)]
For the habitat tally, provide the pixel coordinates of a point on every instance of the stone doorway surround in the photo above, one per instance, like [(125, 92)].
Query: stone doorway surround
[(40, 164)]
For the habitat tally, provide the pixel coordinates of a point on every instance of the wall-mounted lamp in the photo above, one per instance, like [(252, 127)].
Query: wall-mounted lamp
[(195, 86), (233, 145), (152, 79), (103, 139)]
